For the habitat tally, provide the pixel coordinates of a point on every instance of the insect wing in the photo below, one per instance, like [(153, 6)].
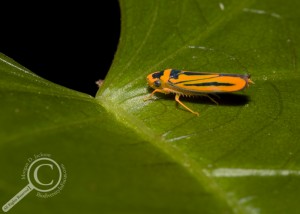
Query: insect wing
[(202, 82)]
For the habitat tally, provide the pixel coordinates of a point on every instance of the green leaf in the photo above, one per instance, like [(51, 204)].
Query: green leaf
[(110, 168), (124, 155)]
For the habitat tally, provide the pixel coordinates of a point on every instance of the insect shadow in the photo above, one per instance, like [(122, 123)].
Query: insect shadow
[(222, 99)]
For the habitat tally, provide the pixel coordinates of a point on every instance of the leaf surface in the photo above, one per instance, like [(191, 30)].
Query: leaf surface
[(126, 155)]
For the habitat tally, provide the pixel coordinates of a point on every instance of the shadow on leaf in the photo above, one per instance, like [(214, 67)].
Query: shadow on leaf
[(223, 99)]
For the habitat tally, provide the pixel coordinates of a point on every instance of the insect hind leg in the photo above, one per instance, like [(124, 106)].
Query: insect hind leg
[(187, 108), (206, 95)]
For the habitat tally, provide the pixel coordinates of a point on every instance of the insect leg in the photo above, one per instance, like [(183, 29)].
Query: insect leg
[(187, 108), (153, 92), (206, 95)]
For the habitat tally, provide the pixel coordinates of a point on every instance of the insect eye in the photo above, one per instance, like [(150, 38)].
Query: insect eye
[(157, 83)]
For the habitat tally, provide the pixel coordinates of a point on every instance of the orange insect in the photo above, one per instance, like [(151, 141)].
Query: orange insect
[(195, 83)]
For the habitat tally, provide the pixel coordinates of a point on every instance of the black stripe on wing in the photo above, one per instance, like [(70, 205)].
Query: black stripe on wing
[(185, 81), (209, 84), (190, 73)]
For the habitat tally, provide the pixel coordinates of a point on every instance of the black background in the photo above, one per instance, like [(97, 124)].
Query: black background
[(72, 44)]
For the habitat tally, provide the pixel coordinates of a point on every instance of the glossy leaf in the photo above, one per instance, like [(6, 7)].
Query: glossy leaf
[(248, 143), (124, 155)]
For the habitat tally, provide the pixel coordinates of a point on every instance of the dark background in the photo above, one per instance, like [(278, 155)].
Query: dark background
[(71, 45)]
